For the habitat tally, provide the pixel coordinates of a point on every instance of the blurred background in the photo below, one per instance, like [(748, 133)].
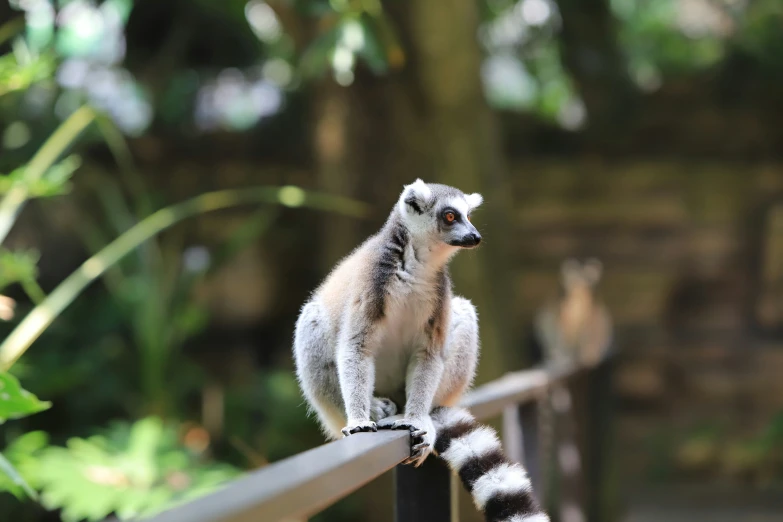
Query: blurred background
[(645, 133)]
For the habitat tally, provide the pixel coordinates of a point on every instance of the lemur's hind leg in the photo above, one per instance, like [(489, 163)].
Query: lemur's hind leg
[(462, 351), (381, 407), (316, 370)]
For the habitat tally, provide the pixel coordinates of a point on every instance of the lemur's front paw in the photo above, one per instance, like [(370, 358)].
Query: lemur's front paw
[(381, 408), (422, 435), (356, 427)]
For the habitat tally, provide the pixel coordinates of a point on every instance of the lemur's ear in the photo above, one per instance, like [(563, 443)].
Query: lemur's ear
[(569, 267), (474, 200), (416, 197), (593, 269)]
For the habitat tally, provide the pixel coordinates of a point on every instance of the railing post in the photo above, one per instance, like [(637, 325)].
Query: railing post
[(512, 434), (423, 494), (531, 447), (570, 473), (599, 441), (522, 440)]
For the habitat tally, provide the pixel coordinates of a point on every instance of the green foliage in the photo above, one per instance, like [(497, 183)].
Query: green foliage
[(13, 479), (20, 462), (16, 75), (21, 267), (523, 70), (668, 37), (760, 34), (17, 266), (153, 289), (132, 470), (16, 402), (287, 426), (364, 35), (53, 182)]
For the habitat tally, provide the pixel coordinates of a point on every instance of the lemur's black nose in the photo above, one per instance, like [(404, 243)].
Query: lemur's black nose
[(469, 240)]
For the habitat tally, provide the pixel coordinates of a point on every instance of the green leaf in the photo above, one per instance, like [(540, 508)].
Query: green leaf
[(22, 454), (16, 267), (373, 51), (131, 470), (15, 76), (16, 402), (191, 320), (8, 469), (54, 182)]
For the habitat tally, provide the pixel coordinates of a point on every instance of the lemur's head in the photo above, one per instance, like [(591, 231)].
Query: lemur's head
[(578, 277), (577, 285), (439, 212)]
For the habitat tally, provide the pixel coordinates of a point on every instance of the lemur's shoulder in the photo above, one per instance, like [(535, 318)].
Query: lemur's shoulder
[(352, 277)]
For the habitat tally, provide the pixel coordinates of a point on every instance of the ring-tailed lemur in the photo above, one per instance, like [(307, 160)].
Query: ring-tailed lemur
[(574, 327), (384, 330)]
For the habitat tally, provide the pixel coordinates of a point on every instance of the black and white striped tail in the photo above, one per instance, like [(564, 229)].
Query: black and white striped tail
[(500, 488)]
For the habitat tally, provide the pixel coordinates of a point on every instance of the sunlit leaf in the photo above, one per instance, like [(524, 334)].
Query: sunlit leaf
[(373, 51), (132, 470), (22, 455), (53, 182), (8, 469), (662, 33), (17, 266), (15, 76), (16, 402)]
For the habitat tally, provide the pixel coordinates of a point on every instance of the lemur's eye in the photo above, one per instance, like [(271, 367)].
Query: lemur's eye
[(449, 217), (468, 216)]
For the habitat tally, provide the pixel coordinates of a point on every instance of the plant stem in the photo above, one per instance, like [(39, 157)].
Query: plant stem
[(42, 315), (124, 159), (65, 134), (33, 290)]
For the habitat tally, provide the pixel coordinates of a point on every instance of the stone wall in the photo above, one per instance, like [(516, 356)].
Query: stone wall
[(693, 256)]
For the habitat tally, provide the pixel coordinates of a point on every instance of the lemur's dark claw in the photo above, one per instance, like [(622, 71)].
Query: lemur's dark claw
[(418, 434), (417, 452), (361, 427)]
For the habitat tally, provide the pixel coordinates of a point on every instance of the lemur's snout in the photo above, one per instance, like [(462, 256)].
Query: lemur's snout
[(470, 239)]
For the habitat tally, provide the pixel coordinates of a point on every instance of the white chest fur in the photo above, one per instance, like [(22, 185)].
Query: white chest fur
[(411, 300)]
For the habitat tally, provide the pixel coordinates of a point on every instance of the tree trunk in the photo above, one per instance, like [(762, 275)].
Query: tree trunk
[(464, 148), (333, 149), (365, 148), (429, 120)]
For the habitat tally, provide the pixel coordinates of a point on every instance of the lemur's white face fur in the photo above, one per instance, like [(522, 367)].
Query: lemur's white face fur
[(439, 213), (574, 274)]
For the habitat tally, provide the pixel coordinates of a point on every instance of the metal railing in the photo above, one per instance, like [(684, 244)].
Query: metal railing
[(303, 485)]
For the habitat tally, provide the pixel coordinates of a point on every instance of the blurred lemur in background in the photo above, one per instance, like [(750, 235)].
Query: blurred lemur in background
[(573, 328), (384, 331)]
